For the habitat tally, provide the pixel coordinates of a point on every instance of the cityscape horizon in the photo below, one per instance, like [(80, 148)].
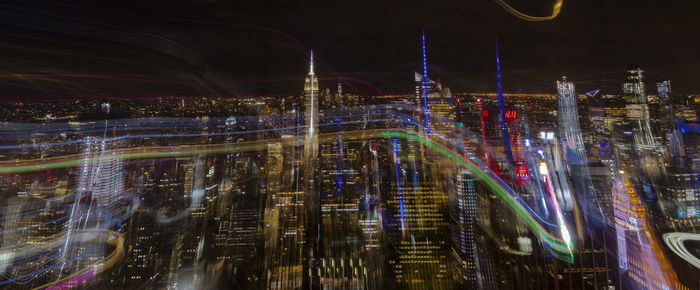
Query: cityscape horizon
[(204, 145)]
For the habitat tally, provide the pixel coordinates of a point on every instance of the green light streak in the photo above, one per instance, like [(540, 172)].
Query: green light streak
[(554, 243)]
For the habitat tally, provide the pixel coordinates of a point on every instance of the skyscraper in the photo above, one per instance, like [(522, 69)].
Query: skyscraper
[(310, 217), (646, 163), (642, 261), (570, 131), (311, 104), (462, 206)]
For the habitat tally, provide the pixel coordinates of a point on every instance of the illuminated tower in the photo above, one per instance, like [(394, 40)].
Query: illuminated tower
[(340, 87), (311, 99), (311, 217), (570, 131), (647, 156), (637, 107), (462, 207)]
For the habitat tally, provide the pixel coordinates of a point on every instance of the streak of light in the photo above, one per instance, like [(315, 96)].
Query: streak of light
[(544, 172), (675, 241), (555, 11), (72, 160), (41, 145)]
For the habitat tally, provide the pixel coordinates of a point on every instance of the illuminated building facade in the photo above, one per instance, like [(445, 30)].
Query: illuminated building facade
[(641, 260), (462, 207), (649, 155), (414, 211), (569, 129)]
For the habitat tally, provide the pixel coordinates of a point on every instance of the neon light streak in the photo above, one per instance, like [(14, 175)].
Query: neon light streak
[(544, 172), (593, 93)]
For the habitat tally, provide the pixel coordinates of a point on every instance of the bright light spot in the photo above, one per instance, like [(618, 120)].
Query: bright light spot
[(543, 168)]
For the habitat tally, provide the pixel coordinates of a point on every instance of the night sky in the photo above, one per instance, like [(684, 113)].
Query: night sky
[(199, 48)]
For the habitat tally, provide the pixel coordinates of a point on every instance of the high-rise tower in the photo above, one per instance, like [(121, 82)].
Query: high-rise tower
[(648, 157), (569, 128), (312, 203), (311, 99), (340, 87)]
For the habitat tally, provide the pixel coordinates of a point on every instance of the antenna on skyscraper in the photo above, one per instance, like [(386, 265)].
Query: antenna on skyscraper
[(311, 63)]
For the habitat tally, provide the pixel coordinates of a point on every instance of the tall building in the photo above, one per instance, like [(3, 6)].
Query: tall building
[(311, 103), (310, 217), (641, 259), (462, 207), (646, 163), (664, 90), (570, 131), (284, 220)]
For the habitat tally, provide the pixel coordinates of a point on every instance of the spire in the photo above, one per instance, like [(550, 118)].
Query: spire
[(498, 74), (311, 64)]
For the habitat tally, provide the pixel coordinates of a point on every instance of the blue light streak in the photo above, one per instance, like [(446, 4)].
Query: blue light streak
[(501, 104)]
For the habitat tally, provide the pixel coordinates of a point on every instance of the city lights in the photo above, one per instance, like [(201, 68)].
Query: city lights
[(225, 145)]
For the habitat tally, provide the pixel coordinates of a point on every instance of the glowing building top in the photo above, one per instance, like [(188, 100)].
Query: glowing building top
[(311, 97), (311, 82), (634, 87)]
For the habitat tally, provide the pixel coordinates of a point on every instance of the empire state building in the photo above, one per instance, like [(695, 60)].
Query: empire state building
[(311, 100)]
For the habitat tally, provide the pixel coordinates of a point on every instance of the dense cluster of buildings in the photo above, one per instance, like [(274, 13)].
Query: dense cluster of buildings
[(332, 190)]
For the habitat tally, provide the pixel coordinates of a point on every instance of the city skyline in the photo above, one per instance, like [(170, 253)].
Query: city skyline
[(275, 145)]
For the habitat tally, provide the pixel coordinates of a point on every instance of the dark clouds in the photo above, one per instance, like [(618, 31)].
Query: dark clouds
[(195, 48)]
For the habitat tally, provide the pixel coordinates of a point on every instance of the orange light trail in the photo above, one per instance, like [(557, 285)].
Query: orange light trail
[(555, 11)]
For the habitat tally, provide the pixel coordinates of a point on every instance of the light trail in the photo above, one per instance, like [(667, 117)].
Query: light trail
[(112, 238), (146, 152), (42, 246), (110, 139), (675, 241), (99, 266), (544, 172), (555, 11)]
